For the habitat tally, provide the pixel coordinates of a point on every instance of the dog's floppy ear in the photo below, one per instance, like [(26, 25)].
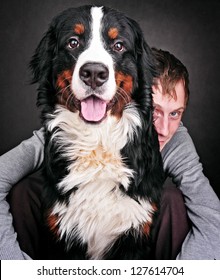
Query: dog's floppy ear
[(147, 62), (144, 57), (40, 63), (143, 154), (146, 67)]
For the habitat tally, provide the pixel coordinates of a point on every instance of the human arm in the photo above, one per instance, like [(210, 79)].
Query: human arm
[(14, 165), (181, 162)]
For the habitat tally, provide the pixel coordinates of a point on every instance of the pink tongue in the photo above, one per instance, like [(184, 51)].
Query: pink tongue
[(93, 109)]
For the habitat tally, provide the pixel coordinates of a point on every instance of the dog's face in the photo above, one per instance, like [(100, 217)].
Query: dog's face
[(91, 61)]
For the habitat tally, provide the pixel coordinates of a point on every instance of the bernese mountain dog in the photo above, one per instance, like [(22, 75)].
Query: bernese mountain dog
[(103, 170)]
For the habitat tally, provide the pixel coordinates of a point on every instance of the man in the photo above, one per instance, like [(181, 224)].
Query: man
[(181, 163)]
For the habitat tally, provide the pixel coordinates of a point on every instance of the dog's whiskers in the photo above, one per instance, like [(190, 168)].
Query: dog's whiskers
[(73, 56), (121, 93), (63, 90), (69, 100)]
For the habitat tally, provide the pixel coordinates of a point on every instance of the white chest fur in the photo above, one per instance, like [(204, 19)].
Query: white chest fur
[(98, 212)]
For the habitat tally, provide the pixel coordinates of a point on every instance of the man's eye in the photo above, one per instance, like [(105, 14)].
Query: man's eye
[(156, 112), (73, 43), (118, 46), (175, 114)]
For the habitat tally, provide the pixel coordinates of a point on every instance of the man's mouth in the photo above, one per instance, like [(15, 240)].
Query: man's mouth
[(93, 109)]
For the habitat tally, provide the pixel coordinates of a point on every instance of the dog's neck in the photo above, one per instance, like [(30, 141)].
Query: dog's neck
[(89, 148)]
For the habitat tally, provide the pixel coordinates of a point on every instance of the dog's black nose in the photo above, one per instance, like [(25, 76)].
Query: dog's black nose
[(94, 74)]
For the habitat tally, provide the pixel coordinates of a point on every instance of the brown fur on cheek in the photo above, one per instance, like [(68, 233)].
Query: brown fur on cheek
[(64, 79), (63, 84), (125, 82), (123, 96)]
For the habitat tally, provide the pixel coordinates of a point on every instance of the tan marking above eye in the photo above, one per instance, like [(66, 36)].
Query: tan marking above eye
[(79, 28), (113, 33)]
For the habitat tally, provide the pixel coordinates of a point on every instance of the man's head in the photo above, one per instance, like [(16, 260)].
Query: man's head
[(171, 94)]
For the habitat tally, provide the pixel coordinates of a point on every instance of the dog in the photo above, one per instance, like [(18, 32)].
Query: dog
[(103, 170)]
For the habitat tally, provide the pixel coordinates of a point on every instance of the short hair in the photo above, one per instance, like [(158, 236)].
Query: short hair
[(170, 71)]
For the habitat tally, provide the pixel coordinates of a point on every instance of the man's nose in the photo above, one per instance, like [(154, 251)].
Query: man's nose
[(163, 126)]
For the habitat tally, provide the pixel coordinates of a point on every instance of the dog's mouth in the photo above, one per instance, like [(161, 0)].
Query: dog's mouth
[(94, 109)]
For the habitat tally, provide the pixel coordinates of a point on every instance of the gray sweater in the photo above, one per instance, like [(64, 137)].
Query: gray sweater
[(181, 163)]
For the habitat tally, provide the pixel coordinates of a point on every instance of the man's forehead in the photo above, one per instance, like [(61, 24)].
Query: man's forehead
[(167, 102), (177, 93)]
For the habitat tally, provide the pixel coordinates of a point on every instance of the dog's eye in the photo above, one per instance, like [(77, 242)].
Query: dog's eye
[(118, 46), (73, 43)]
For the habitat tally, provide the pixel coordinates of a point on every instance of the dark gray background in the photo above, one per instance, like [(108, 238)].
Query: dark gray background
[(189, 29)]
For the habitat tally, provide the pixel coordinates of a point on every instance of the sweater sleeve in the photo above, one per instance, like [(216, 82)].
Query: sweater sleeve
[(14, 165), (181, 163)]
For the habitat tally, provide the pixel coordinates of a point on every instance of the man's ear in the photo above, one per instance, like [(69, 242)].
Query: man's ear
[(40, 63)]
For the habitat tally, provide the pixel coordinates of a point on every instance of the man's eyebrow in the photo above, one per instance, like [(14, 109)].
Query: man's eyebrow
[(177, 109), (180, 108), (155, 104)]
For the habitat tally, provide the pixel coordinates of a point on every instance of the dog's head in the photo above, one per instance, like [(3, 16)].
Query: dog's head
[(94, 61)]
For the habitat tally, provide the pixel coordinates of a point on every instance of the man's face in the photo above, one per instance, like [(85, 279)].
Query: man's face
[(168, 112)]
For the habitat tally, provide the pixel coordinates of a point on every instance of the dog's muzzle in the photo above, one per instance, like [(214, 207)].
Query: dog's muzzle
[(94, 74)]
